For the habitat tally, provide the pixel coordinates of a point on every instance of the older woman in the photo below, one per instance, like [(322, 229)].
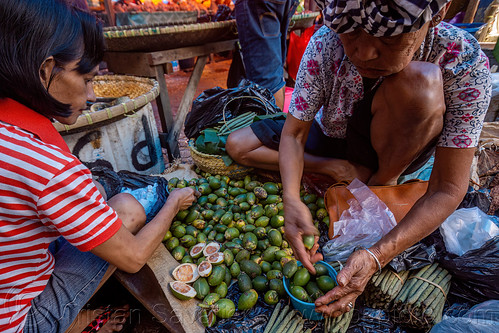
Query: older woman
[(383, 86), (49, 54)]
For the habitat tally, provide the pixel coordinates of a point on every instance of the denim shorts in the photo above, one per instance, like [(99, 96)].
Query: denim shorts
[(74, 280), (262, 27)]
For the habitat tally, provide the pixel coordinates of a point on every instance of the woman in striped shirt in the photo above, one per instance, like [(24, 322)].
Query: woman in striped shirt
[(49, 54)]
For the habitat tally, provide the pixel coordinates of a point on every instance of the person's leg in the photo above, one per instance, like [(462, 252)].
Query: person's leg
[(250, 149), (407, 117), (259, 28), (76, 277), (285, 13), (245, 148), (279, 97), (408, 111), (129, 210)]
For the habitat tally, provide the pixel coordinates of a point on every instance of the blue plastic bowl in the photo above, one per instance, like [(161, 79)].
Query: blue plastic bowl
[(307, 310), (472, 28)]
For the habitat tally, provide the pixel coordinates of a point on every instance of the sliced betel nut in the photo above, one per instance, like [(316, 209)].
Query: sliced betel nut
[(216, 258), (211, 248), (182, 290), (197, 250), (186, 273), (204, 268)]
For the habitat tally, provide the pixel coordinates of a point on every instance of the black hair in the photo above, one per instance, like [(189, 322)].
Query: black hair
[(33, 30)]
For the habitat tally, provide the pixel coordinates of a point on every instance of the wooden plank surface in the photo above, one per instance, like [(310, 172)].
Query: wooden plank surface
[(108, 5), (144, 286), (187, 312)]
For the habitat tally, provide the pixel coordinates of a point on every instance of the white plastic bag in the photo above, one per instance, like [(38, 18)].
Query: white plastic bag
[(467, 229), (145, 195), (363, 224), (482, 318)]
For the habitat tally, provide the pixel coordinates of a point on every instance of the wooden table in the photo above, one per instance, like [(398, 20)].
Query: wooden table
[(153, 64)]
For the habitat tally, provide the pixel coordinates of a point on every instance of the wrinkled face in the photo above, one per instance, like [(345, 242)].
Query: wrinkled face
[(70, 87), (381, 56)]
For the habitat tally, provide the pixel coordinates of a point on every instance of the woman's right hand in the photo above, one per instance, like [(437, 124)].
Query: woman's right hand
[(298, 222), (183, 198)]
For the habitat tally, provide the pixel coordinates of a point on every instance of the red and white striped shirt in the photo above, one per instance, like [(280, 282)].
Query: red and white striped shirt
[(45, 192)]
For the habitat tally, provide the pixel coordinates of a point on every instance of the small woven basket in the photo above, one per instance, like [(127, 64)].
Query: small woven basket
[(215, 165), (139, 90)]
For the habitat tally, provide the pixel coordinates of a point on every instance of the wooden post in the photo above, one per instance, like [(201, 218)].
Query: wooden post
[(469, 16), (185, 105), (108, 4), (164, 100)]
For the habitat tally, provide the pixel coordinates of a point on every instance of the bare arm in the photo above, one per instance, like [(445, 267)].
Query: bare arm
[(298, 220), (130, 252), (447, 186), (291, 150)]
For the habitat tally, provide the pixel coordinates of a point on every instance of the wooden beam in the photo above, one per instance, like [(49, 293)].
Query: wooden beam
[(185, 105), (132, 63), (487, 45), (469, 16), (108, 4), (164, 105), (161, 57)]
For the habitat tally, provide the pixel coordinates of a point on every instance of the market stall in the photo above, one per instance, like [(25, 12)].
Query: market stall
[(147, 50)]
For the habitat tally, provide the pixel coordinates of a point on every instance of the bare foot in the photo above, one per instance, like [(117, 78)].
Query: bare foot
[(343, 170), (97, 317)]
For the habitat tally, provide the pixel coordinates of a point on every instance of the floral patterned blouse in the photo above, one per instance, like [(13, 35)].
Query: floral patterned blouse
[(328, 84)]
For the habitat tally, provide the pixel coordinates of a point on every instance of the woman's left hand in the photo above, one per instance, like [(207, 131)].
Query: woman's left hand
[(352, 280)]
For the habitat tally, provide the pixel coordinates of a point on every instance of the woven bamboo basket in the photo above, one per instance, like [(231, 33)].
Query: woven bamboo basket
[(302, 21), (158, 37), (215, 165), (140, 91)]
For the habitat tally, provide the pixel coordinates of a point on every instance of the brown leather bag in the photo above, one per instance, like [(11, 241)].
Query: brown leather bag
[(398, 198)]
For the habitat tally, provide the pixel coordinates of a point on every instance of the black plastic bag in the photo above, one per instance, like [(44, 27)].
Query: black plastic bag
[(455, 308), (371, 320), (415, 257), (212, 104), (114, 182), (475, 273), (476, 199), (109, 179)]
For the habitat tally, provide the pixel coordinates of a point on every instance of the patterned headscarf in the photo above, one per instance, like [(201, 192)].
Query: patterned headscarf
[(379, 17)]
